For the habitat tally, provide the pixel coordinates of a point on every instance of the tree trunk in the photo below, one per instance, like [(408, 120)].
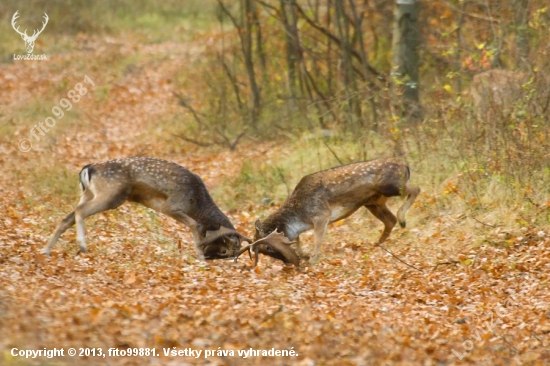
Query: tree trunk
[(288, 18), (522, 33), (350, 82), (364, 60), (406, 39), (246, 43)]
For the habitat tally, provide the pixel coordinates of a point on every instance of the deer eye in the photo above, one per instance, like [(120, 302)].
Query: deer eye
[(224, 252)]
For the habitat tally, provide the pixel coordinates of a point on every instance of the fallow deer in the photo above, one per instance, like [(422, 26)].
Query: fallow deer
[(331, 195), (162, 186)]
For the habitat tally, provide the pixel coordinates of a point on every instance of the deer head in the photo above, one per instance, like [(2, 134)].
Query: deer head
[(275, 245), (222, 243), (29, 40)]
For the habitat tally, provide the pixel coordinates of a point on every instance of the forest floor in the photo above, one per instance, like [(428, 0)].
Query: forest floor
[(480, 298)]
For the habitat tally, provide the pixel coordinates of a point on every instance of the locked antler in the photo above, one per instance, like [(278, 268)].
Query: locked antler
[(275, 245)]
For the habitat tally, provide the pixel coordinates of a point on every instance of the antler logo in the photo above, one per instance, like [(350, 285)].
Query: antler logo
[(29, 41)]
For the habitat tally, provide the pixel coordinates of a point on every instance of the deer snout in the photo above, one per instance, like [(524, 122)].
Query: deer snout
[(214, 251)]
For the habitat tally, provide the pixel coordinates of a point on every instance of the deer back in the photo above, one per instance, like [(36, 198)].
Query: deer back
[(342, 190), (152, 182)]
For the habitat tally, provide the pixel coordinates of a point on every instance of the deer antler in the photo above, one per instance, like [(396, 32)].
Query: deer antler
[(212, 236), (275, 245)]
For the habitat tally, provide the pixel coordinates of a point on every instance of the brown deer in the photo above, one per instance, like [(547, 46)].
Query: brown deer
[(331, 195), (162, 186)]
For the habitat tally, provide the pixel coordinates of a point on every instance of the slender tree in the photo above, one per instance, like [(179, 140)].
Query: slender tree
[(522, 32), (406, 39)]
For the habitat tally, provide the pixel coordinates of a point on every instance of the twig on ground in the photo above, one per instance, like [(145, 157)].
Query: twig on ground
[(483, 223), (193, 141), (273, 314), (399, 259)]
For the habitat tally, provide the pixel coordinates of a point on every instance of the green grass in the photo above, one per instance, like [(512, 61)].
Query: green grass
[(29, 115), (22, 119), (57, 181)]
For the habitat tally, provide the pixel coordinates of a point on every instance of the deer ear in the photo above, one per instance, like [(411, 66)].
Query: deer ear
[(213, 235), (258, 226), (244, 238)]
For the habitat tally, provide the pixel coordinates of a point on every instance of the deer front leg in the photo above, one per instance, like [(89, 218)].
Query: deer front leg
[(382, 213), (189, 222), (196, 239), (411, 193), (319, 229)]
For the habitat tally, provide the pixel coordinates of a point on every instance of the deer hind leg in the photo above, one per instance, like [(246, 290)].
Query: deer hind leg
[(66, 223), (319, 229), (411, 193), (99, 203), (382, 213)]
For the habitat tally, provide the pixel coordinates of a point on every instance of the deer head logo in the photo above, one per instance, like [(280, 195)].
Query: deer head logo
[(29, 41)]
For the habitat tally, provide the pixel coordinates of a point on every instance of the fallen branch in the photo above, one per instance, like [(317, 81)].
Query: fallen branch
[(273, 314), (183, 102), (399, 259), (193, 141), (483, 223)]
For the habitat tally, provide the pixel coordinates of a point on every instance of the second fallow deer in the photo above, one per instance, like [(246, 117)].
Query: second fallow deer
[(162, 186), (331, 195)]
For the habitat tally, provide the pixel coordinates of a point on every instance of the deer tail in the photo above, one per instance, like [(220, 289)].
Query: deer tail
[(85, 176)]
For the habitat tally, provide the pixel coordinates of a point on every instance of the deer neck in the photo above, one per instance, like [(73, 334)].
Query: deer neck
[(287, 222), (210, 218)]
